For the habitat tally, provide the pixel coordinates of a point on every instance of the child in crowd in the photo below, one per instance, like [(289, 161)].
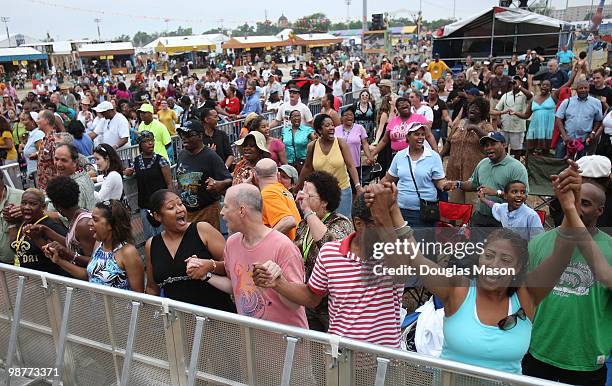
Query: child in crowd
[(514, 213)]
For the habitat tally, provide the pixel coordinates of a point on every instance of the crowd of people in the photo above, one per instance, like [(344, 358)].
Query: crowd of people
[(304, 196)]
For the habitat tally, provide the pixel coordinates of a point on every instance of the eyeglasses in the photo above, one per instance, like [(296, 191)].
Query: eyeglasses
[(510, 321)]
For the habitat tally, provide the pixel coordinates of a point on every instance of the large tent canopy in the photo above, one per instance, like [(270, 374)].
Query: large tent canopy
[(498, 32), (20, 54), (101, 49)]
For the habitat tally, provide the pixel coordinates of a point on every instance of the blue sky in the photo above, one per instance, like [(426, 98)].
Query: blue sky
[(70, 19)]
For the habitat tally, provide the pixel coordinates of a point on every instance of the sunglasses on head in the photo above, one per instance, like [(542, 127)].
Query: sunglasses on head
[(100, 149), (510, 321)]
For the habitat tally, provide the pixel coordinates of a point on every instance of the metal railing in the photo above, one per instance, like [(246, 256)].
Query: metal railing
[(98, 335)]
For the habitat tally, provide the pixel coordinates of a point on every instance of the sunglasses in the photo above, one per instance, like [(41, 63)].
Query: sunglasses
[(100, 149), (510, 321), (188, 134), (106, 204)]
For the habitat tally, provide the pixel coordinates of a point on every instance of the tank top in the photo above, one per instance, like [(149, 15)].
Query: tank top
[(468, 340), (333, 163), (71, 242), (103, 269), (171, 273)]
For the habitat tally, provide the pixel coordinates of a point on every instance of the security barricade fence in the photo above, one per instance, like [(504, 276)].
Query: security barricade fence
[(14, 178), (88, 334)]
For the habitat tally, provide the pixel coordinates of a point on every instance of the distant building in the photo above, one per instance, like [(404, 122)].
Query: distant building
[(283, 22), (579, 13), (16, 40)]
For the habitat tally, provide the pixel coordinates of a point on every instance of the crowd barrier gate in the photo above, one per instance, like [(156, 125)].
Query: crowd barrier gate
[(98, 335)]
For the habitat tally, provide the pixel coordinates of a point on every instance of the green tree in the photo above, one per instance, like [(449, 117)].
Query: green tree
[(243, 30), (142, 38), (123, 38), (317, 22), (214, 31), (266, 28), (48, 38), (435, 24), (180, 32)]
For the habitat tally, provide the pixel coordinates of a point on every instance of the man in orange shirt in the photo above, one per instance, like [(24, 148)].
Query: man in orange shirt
[(279, 209)]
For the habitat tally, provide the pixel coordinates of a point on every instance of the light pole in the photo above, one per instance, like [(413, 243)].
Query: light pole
[(348, 5), (97, 21), (5, 20)]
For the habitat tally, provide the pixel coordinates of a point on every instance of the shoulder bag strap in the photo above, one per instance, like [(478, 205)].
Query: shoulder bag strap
[(412, 175)]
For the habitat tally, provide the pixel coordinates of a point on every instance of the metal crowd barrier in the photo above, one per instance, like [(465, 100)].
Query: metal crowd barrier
[(89, 334)]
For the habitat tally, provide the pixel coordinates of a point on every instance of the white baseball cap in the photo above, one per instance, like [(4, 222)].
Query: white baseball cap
[(594, 166), (104, 106)]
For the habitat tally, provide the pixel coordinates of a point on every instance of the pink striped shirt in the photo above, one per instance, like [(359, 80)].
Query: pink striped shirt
[(362, 306)]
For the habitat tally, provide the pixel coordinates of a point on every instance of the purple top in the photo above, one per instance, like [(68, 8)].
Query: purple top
[(353, 140)]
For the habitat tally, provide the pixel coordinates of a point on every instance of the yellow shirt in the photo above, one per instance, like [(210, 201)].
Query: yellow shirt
[(11, 154), (333, 163), (169, 119), (436, 69)]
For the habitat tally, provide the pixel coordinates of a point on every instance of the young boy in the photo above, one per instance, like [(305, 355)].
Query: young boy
[(514, 213)]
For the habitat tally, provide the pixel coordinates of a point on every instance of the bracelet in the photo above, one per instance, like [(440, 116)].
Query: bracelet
[(74, 258), (405, 224), (357, 186), (214, 265), (404, 231), (308, 214)]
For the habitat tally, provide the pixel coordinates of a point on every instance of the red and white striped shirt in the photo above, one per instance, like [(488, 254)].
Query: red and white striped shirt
[(362, 306)]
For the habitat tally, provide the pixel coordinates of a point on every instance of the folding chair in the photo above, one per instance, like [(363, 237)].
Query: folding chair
[(450, 211), (539, 170), (542, 216)]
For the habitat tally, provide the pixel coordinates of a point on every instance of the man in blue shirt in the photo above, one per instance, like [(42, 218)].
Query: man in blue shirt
[(565, 58), (252, 103), (556, 76), (578, 119)]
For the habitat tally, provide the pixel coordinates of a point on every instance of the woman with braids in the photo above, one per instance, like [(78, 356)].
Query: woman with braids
[(463, 145), (115, 262)]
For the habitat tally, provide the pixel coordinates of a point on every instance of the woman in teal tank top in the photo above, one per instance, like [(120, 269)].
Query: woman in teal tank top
[(489, 306)]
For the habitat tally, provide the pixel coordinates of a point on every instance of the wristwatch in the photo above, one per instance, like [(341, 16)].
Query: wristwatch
[(207, 277), (499, 193)]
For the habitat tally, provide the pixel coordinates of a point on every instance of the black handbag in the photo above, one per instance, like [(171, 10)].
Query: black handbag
[(429, 210)]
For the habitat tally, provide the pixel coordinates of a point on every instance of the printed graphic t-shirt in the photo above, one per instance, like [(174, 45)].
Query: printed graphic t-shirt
[(264, 303)]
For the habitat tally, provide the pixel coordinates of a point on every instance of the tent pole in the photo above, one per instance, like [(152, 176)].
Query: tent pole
[(492, 33), (515, 38)]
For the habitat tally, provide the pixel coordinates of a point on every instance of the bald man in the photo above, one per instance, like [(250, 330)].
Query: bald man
[(570, 339), (253, 243), (279, 209)]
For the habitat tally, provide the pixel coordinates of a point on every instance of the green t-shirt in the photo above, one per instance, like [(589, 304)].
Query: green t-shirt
[(161, 134), (496, 176), (572, 328)]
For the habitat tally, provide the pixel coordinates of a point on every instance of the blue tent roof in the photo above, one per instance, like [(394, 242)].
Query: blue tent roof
[(20, 53)]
